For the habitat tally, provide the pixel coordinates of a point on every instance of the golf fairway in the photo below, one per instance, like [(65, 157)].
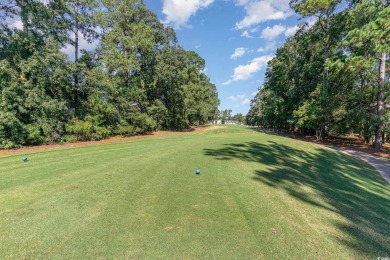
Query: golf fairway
[(257, 196)]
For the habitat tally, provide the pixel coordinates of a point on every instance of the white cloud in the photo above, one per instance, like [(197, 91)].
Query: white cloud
[(258, 11), (269, 46), (233, 98), (242, 2), (312, 21), (178, 12), (246, 35), (271, 33), (14, 22), (227, 82), (17, 24), (246, 101), (290, 31), (283, 5), (238, 53), (239, 97), (244, 72)]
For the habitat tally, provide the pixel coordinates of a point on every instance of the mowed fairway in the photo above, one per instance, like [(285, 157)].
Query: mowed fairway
[(258, 196)]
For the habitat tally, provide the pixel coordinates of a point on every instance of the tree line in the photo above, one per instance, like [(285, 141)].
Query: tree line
[(137, 80), (226, 115), (331, 78)]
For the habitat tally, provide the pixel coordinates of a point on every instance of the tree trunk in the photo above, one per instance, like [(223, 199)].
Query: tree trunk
[(76, 43), (380, 102), (326, 71), (25, 26), (76, 73), (384, 137), (320, 134)]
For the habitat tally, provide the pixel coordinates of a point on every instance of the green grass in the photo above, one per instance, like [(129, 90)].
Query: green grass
[(258, 196)]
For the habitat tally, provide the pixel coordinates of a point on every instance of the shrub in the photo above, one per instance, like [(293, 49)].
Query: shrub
[(40, 132), (86, 130), (83, 130), (125, 129), (12, 132), (68, 139), (34, 134), (144, 123), (101, 132)]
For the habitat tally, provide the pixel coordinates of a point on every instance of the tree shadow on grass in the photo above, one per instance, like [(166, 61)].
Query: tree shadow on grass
[(341, 183)]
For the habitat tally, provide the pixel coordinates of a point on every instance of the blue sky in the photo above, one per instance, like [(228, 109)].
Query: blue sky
[(235, 37)]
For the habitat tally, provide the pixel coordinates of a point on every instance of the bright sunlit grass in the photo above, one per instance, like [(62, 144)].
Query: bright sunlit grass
[(258, 196)]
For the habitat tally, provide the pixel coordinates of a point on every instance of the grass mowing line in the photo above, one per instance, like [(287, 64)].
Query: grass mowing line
[(68, 157), (242, 208), (276, 229), (258, 196)]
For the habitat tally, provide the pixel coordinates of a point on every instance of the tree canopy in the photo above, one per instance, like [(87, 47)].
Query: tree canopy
[(341, 92), (137, 80)]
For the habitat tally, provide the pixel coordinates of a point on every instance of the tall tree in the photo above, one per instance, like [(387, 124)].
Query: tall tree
[(33, 88), (373, 28), (325, 11), (76, 17)]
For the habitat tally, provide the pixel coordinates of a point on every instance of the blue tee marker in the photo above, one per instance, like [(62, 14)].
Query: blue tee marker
[(197, 171), (24, 159)]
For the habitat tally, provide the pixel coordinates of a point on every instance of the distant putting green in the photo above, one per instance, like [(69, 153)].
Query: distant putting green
[(257, 196)]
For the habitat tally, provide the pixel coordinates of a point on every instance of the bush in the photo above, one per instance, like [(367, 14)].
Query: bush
[(83, 130), (158, 112), (68, 139), (101, 132), (12, 132), (125, 129), (41, 132), (7, 144), (86, 130), (34, 134), (144, 124)]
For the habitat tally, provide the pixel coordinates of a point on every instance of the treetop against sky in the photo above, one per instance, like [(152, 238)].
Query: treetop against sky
[(236, 38)]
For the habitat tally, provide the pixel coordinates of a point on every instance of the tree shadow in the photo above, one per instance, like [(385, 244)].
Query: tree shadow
[(340, 183)]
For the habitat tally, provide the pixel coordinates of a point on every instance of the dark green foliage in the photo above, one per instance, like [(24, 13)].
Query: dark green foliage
[(86, 130), (34, 86), (137, 81), (335, 93)]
